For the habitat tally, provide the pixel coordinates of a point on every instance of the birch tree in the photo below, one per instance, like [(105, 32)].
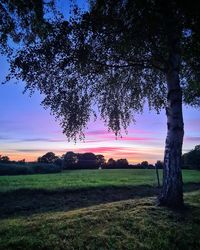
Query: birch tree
[(117, 56)]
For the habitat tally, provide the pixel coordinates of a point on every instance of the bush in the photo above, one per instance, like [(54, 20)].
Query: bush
[(45, 168), (34, 168), (13, 169), (191, 160)]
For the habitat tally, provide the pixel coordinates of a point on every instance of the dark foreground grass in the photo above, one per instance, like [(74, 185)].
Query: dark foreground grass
[(130, 224), (111, 216)]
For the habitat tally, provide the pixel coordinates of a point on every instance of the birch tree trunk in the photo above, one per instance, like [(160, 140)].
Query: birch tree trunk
[(172, 190)]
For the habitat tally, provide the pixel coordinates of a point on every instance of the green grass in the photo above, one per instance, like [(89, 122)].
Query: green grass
[(88, 178), (107, 209)]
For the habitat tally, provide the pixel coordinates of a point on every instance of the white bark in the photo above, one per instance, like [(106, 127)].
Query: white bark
[(172, 191)]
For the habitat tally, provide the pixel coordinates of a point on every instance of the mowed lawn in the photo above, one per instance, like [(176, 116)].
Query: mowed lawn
[(96, 209), (88, 178)]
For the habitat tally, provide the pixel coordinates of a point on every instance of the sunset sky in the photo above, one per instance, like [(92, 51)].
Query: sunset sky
[(28, 131)]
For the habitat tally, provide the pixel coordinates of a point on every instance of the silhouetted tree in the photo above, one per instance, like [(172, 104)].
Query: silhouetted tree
[(23, 22), (22, 161), (58, 162), (49, 157), (122, 163), (70, 160), (87, 160), (120, 54), (111, 163), (159, 164), (191, 159), (4, 159), (197, 148), (144, 164), (100, 160)]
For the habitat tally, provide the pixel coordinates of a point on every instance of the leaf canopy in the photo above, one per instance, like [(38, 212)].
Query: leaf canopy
[(112, 58)]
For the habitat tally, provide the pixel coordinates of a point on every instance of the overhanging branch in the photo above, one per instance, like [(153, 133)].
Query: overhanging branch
[(143, 65)]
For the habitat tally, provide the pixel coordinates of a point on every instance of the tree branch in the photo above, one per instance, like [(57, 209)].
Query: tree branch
[(132, 64)]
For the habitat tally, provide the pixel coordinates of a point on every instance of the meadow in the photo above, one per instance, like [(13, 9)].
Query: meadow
[(96, 209)]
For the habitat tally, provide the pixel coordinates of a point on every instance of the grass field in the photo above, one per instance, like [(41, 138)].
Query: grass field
[(88, 178), (96, 209)]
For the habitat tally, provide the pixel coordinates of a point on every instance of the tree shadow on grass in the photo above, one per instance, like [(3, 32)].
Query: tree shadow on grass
[(25, 202)]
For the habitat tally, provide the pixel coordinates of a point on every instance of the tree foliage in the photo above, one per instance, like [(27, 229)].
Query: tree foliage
[(111, 163), (70, 159), (122, 163), (49, 157), (144, 164), (113, 57), (24, 22), (100, 160), (4, 159), (111, 60), (191, 159), (101, 57), (159, 165)]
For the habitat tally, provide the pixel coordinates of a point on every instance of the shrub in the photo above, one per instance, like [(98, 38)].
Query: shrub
[(45, 168), (37, 168), (13, 169)]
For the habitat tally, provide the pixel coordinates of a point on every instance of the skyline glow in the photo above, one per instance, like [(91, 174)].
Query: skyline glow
[(28, 131)]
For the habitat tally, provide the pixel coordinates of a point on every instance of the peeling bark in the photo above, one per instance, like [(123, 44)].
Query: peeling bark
[(172, 190)]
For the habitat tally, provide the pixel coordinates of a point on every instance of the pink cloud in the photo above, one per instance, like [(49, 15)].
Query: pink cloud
[(126, 138), (105, 132), (98, 132), (99, 149), (103, 135), (139, 131)]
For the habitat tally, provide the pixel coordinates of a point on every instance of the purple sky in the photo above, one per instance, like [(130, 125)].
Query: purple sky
[(28, 131)]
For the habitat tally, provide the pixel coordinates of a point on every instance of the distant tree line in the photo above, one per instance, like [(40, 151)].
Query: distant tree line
[(21, 167), (6, 159), (191, 160), (72, 160), (51, 163)]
